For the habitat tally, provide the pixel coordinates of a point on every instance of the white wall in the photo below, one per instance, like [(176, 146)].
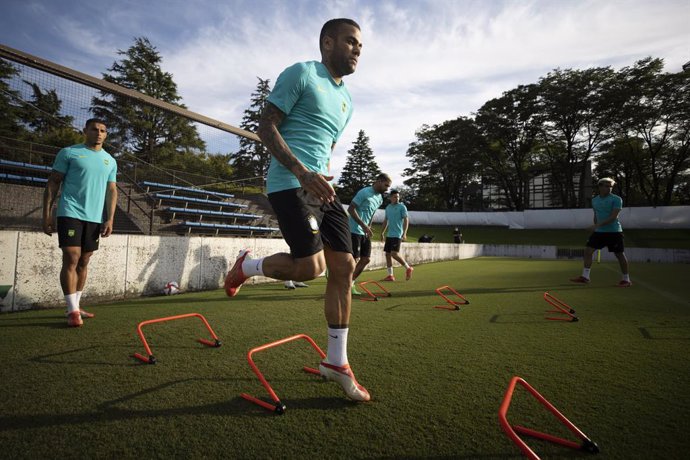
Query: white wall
[(134, 265), (644, 217)]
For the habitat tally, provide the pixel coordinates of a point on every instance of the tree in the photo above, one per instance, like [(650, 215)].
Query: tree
[(656, 116), (360, 168), (253, 158), (10, 126), (151, 134), (578, 108), (446, 161), (511, 125)]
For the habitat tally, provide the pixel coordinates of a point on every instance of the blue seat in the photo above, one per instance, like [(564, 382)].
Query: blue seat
[(189, 199), (186, 189), (22, 165), (205, 212), (15, 177), (242, 228)]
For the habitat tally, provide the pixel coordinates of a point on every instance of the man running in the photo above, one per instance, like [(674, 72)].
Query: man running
[(396, 222)]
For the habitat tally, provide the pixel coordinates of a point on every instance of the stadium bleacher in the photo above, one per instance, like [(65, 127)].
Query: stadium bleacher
[(149, 186), (217, 228)]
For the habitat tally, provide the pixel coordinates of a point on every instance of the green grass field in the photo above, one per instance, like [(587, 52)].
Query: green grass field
[(638, 238), (437, 377)]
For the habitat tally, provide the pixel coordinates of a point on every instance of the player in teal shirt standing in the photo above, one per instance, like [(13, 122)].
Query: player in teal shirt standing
[(87, 174), (607, 231), (396, 222), (361, 211), (304, 116)]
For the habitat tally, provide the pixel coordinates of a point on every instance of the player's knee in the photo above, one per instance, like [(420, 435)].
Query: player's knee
[(364, 261), (308, 269)]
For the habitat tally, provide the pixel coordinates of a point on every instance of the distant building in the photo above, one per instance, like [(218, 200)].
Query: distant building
[(686, 66)]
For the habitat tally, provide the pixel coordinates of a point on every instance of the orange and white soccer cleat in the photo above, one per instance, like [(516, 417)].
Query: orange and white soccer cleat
[(344, 376), (235, 277)]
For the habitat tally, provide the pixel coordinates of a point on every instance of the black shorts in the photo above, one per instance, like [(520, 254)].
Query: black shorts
[(78, 233), (612, 240), (361, 246), (307, 224), (392, 244)]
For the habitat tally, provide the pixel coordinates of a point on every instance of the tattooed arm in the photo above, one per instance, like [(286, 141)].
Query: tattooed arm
[(311, 181)]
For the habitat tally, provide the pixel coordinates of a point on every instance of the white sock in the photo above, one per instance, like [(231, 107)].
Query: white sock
[(337, 346), (79, 298), (585, 272), (407, 265), (253, 267), (72, 304), (626, 277), (390, 271)]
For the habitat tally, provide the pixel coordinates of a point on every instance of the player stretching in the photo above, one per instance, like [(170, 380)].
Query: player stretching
[(87, 174), (361, 210), (397, 222), (305, 114), (606, 231)]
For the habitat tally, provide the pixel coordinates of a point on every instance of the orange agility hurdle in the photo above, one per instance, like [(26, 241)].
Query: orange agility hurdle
[(586, 444), (452, 304), (277, 406), (373, 297), (150, 359), (561, 308)]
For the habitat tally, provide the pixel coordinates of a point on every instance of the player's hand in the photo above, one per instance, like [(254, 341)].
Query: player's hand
[(368, 232), (318, 185), (48, 227), (382, 237), (107, 228), (591, 228), (404, 237)]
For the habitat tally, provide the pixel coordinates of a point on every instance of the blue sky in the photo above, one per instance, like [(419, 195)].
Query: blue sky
[(423, 62)]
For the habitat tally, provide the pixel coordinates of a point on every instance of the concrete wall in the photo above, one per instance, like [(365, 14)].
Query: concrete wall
[(134, 265), (642, 217)]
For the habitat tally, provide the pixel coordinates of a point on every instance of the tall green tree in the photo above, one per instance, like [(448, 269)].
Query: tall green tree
[(10, 110), (511, 125), (578, 108), (446, 161), (360, 168), (656, 117), (252, 158), (151, 134)]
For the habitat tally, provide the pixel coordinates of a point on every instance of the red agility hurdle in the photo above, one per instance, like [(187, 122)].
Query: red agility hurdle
[(277, 406), (150, 359), (586, 444), (451, 304), (373, 297), (561, 308)]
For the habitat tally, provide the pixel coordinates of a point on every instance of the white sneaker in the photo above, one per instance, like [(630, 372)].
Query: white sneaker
[(289, 285), (344, 376), (301, 284)]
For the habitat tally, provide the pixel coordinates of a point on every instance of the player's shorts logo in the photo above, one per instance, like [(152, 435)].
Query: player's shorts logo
[(313, 225), (71, 232)]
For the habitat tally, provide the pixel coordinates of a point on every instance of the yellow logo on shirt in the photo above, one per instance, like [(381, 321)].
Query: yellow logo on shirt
[(106, 161), (344, 107)]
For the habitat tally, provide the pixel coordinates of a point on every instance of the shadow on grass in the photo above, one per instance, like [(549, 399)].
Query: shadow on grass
[(511, 318), (111, 411), (108, 411), (76, 356), (665, 332)]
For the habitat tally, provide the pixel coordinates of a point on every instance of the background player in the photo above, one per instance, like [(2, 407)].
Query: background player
[(87, 174), (396, 222), (361, 211), (606, 231)]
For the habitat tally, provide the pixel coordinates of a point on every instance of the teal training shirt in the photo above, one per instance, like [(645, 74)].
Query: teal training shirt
[(316, 112), (87, 173), (395, 213), (603, 207), (367, 201)]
